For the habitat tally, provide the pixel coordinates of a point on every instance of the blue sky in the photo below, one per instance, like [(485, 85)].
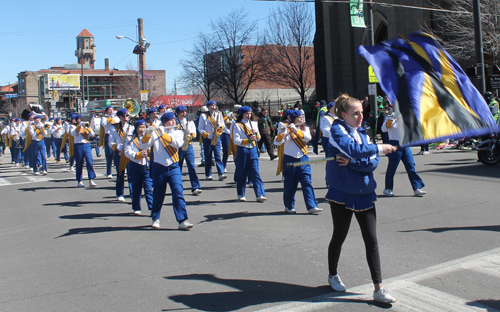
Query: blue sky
[(39, 34)]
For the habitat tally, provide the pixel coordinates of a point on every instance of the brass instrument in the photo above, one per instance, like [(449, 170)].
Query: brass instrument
[(188, 138), (134, 109), (46, 126), (217, 130)]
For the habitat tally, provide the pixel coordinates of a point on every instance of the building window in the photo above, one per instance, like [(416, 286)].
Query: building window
[(93, 79), (105, 78)]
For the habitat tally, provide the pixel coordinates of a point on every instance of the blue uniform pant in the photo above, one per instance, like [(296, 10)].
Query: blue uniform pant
[(171, 175), (402, 154), (48, 146), (97, 150), (65, 151), (37, 149), (83, 151), (141, 179), (247, 165), (108, 152), (188, 155), (208, 149), (120, 178), (292, 177), (54, 147), (57, 150), (27, 155), (224, 140)]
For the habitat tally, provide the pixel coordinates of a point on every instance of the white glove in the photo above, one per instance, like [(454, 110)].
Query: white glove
[(294, 129), (161, 130), (148, 131)]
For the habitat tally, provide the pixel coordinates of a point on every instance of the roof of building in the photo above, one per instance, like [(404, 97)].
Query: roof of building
[(85, 33)]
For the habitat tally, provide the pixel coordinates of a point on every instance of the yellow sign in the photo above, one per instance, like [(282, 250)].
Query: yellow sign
[(371, 75), (64, 82)]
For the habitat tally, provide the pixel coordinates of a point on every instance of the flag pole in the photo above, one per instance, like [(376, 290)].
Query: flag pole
[(479, 46)]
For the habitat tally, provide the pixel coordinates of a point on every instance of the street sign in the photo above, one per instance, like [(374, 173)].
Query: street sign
[(11, 95), (371, 75), (372, 89), (144, 95)]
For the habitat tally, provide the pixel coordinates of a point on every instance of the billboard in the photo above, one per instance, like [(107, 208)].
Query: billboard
[(64, 82)]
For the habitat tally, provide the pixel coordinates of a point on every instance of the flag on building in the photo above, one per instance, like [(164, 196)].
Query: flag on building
[(432, 96)]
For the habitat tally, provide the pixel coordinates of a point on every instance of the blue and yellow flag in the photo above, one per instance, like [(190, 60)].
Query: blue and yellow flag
[(431, 94)]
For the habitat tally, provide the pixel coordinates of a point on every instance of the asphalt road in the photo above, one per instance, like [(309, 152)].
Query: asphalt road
[(70, 249)]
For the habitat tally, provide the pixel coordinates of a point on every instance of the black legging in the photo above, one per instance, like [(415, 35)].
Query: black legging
[(367, 221)]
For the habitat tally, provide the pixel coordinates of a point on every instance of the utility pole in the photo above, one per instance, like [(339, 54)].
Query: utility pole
[(142, 57), (479, 47), (371, 42)]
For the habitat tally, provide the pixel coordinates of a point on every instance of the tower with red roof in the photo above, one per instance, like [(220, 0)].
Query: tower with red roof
[(85, 48)]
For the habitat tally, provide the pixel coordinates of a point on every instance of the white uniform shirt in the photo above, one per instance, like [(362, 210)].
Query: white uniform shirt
[(34, 136), (206, 126), (160, 155), (156, 122), (131, 151), (24, 128), (108, 125), (95, 124), (291, 148), (57, 131), (190, 126), (239, 134), (325, 124), (114, 136), (16, 132), (79, 137)]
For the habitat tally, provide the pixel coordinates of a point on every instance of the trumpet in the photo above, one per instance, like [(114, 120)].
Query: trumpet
[(46, 126), (289, 125)]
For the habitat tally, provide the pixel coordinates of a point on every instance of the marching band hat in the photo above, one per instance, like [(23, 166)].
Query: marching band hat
[(57, 119), (51, 118), (13, 118), (17, 119), (31, 114), (244, 109), (166, 117), (211, 103), (37, 116), (79, 116), (122, 112), (161, 106), (139, 122), (294, 114), (288, 112), (330, 105), (180, 108), (108, 107), (151, 110)]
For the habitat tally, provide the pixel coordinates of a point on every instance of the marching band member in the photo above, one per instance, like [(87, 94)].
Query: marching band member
[(117, 137), (295, 138), (107, 122), (162, 109), (70, 147), (225, 138), (95, 125), (6, 135), (152, 120), (139, 168), (165, 169), (26, 140), (325, 124), (188, 128), (83, 151), (48, 139), (37, 133), (208, 123), (245, 136), (57, 133), (15, 138)]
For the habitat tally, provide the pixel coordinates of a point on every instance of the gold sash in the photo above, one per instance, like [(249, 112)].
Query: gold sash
[(172, 151)]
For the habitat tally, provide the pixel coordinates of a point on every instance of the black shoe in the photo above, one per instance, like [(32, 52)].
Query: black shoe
[(201, 165), (273, 157), (99, 155), (213, 162)]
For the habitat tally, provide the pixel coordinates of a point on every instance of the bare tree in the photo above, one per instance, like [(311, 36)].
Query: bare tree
[(291, 55), (456, 29), (195, 76), (238, 59), (130, 86)]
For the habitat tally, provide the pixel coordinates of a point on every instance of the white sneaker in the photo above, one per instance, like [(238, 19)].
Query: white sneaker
[(71, 168), (92, 183), (16, 165), (36, 173), (80, 184), (261, 199), (388, 192), (26, 167), (383, 296), (222, 177), (425, 153), (336, 283), (185, 225), (242, 198), (196, 192), (225, 170), (156, 224), (137, 212), (209, 178), (315, 210), (44, 172), (290, 210), (110, 176), (419, 192), (120, 198)]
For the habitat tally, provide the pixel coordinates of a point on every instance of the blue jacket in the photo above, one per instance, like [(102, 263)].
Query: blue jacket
[(357, 176)]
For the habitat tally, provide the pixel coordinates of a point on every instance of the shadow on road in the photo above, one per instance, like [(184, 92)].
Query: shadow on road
[(80, 203), (100, 216), (489, 304), (473, 169), (494, 228), (243, 214), (106, 229)]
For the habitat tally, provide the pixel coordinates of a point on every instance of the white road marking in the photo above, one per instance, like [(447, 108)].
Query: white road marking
[(4, 182), (405, 288)]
